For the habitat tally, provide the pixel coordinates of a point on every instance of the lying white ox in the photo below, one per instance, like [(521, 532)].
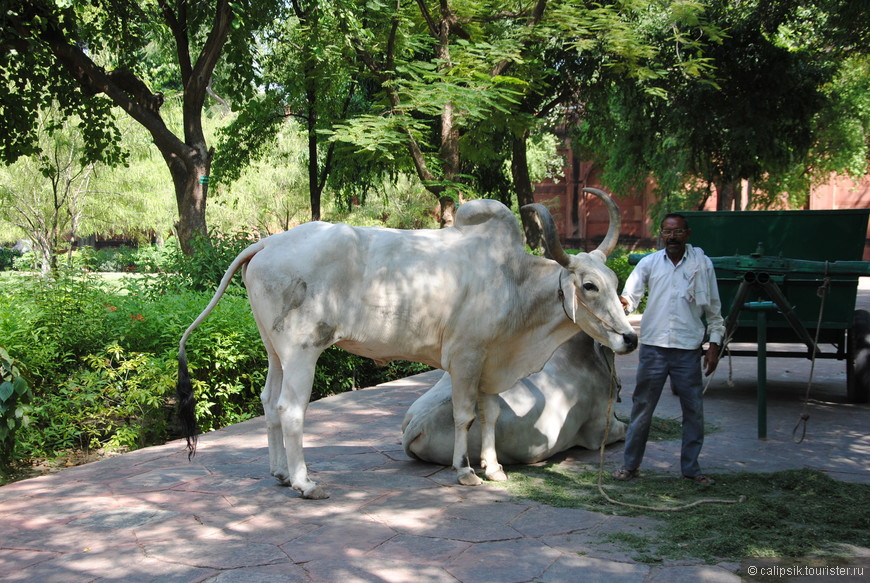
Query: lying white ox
[(467, 299), (563, 406)]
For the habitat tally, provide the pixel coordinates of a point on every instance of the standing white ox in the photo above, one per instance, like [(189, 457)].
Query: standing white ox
[(467, 299), (564, 405)]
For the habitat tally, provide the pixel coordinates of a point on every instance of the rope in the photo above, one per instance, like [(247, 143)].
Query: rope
[(561, 295), (613, 383), (801, 424)]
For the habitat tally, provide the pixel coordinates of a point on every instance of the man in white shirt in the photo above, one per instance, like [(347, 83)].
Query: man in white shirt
[(682, 289)]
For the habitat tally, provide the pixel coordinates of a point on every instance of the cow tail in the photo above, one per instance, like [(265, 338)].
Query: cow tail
[(184, 388)]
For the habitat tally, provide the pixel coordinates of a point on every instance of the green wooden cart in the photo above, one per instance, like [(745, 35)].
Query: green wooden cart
[(793, 273)]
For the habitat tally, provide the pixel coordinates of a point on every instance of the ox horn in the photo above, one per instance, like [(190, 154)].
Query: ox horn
[(612, 237), (554, 249)]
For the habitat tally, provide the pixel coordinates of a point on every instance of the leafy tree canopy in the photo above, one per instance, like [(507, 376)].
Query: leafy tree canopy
[(89, 56), (785, 110)]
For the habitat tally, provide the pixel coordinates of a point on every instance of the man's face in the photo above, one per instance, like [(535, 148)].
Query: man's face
[(675, 234)]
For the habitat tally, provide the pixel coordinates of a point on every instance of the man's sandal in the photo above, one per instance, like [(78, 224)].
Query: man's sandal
[(624, 474), (701, 480)]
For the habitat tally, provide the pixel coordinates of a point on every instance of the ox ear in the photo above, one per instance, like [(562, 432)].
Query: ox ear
[(598, 254)]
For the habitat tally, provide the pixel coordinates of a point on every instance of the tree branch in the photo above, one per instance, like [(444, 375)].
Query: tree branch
[(200, 78), (177, 23), (536, 15)]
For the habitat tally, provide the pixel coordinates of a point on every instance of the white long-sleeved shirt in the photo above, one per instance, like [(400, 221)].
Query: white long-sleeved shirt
[(678, 296)]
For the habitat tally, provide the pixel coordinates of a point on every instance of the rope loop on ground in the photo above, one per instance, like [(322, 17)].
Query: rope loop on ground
[(613, 384)]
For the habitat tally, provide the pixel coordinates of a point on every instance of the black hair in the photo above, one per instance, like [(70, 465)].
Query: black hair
[(676, 216)]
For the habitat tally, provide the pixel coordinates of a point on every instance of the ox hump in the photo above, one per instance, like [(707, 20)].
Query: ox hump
[(490, 217)]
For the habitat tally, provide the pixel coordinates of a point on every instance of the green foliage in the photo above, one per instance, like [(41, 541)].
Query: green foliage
[(7, 258), (124, 259), (204, 268), (67, 317), (793, 513), (116, 400), (15, 395), (782, 111), (618, 262)]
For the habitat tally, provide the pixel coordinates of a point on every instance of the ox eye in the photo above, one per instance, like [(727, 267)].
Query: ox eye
[(591, 287)]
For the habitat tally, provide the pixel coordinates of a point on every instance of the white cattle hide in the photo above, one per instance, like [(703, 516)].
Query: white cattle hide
[(563, 406)]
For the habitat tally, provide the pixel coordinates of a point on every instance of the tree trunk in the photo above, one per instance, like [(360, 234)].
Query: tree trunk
[(728, 195), (524, 189), (447, 211), (313, 174), (191, 193), (188, 158)]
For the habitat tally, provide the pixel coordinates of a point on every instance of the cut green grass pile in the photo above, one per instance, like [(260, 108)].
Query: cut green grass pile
[(794, 513)]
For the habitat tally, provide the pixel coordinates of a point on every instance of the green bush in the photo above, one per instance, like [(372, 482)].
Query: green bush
[(618, 262), (67, 316), (125, 259), (15, 395), (7, 258), (204, 268), (117, 400)]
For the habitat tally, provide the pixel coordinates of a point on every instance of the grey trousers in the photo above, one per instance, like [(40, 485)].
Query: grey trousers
[(684, 369)]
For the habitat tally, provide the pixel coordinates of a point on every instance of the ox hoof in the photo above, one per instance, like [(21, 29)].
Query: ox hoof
[(497, 476), (315, 493), (469, 478)]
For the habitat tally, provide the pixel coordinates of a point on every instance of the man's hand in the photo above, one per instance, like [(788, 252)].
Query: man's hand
[(624, 303), (711, 359)]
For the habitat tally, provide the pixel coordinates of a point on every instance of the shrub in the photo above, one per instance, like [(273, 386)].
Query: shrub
[(14, 397), (125, 259), (7, 258), (117, 400), (67, 318), (204, 268), (618, 262)]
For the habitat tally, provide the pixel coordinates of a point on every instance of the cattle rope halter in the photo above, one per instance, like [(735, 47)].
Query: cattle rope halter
[(561, 295)]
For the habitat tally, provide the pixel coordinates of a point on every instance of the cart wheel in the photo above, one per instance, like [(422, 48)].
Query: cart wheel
[(858, 359)]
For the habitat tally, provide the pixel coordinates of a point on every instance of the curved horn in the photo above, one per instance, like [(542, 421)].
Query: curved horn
[(553, 248), (612, 237)]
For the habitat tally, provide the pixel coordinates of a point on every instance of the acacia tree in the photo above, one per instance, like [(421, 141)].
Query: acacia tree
[(465, 85), (91, 56)]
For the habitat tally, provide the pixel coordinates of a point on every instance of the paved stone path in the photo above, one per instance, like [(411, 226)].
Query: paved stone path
[(150, 515)]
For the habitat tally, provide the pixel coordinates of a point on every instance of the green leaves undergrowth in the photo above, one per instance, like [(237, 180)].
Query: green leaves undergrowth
[(117, 400), (14, 397)]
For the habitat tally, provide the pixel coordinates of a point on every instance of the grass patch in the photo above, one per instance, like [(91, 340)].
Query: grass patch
[(666, 429), (793, 513)]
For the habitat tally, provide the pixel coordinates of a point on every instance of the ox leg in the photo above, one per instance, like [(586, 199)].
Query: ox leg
[(269, 397), (488, 410), (463, 417), (291, 406)]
